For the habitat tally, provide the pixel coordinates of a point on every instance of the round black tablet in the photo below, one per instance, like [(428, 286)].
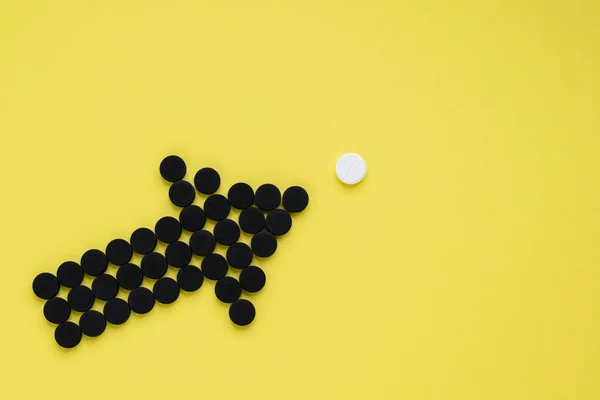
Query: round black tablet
[(81, 298), (192, 218), (105, 287), (202, 243), (57, 310), (252, 279), (214, 266), (45, 286), (67, 335), (295, 199), (130, 276), (69, 274), (190, 278), (166, 290), (141, 300), (240, 195), (143, 241), (239, 255), (264, 244), (154, 265), (207, 180), (167, 229), (279, 222), (119, 252), (216, 207), (92, 323), (178, 254), (242, 312), (182, 193), (267, 197), (227, 232), (173, 168), (228, 289), (94, 262), (116, 311), (252, 220)]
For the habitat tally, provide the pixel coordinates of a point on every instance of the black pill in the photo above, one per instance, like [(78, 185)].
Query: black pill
[(228, 289), (105, 287), (242, 312), (252, 279), (143, 241), (252, 220), (154, 265), (192, 218), (57, 310), (178, 254), (295, 199), (279, 222), (45, 286), (69, 274), (67, 335), (141, 300), (267, 197), (182, 193), (129, 276), (241, 195), (116, 311), (81, 298), (92, 323), (94, 262), (173, 168), (119, 252), (207, 180), (166, 290), (264, 244), (167, 229), (202, 243), (227, 232), (190, 278), (216, 207), (239, 255), (214, 266)]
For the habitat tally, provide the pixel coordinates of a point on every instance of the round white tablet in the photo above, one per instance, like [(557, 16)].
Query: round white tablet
[(351, 168)]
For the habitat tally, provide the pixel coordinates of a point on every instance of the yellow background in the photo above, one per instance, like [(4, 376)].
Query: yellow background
[(465, 266)]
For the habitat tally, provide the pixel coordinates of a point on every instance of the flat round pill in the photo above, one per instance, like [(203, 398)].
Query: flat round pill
[(94, 262), (105, 287), (116, 311), (119, 252), (239, 255), (252, 220), (279, 222), (207, 180), (192, 218), (81, 298), (166, 290), (252, 279), (141, 300), (173, 168), (216, 207), (92, 323), (267, 197), (178, 254), (202, 243), (57, 310), (351, 168), (264, 244), (69, 274), (167, 229), (295, 199), (143, 241), (214, 266), (130, 276), (242, 312), (154, 265), (227, 232), (190, 278), (67, 335), (182, 193), (45, 286), (240, 195), (228, 289)]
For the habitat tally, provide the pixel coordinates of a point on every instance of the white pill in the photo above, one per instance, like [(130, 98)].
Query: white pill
[(351, 168)]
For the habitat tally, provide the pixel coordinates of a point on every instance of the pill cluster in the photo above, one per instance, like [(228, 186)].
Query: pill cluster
[(260, 216)]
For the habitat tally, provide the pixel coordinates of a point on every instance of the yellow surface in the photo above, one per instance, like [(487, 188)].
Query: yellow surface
[(465, 266)]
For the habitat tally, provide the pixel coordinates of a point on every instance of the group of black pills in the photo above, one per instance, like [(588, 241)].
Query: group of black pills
[(260, 217)]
